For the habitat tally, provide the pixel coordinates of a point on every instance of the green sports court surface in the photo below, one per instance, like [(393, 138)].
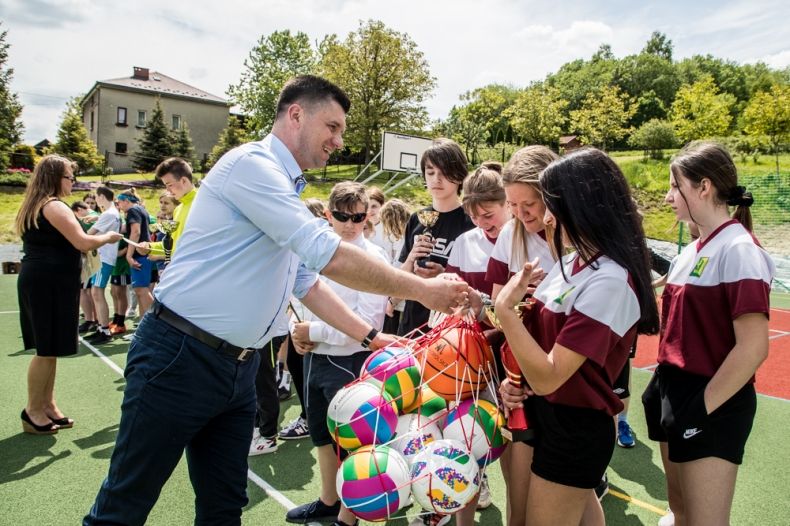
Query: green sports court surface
[(53, 480)]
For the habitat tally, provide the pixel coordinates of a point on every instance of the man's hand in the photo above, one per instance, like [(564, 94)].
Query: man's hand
[(383, 340), (143, 248), (300, 335), (444, 295)]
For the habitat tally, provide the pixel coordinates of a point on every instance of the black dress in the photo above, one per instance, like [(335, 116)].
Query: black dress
[(49, 291)]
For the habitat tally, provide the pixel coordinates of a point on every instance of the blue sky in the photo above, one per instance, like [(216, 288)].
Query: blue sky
[(59, 48)]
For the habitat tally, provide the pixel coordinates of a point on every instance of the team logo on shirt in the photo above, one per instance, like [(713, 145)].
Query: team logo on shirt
[(559, 299), (699, 268)]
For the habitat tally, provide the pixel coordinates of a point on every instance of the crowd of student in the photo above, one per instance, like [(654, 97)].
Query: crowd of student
[(563, 230)]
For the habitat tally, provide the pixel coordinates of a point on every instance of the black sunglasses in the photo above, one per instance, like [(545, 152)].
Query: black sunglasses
[(343, 217)]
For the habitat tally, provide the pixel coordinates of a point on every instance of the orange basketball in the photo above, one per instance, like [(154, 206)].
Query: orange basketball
[(456, 363)]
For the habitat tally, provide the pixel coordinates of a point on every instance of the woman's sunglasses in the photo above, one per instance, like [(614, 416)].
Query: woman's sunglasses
[(343, 217)]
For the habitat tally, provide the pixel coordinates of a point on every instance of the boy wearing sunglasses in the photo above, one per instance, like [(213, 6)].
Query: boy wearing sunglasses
[(335, 359)]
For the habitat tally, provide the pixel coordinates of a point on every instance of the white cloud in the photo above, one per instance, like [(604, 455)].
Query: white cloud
[(776, 60), (59, 48)]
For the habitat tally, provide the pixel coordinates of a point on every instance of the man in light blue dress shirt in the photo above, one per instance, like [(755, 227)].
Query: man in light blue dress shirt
[(248, 244)]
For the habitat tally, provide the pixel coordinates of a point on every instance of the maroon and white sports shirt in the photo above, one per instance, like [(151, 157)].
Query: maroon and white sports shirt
[(710, 284), (469, 258), (501, 265), (594, 314)]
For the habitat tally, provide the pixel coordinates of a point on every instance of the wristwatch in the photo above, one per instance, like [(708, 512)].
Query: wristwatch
[(369, 338)]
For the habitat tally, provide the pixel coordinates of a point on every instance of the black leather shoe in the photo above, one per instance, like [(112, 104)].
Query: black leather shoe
[(313, 511)]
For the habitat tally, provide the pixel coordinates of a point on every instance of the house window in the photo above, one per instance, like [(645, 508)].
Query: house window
[(120, 147), (121, 116), (141, 118), (91, 120), (176, 122)]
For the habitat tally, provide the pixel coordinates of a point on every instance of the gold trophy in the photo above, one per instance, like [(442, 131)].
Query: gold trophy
[(427, 218), (168, 226), (517, 428)]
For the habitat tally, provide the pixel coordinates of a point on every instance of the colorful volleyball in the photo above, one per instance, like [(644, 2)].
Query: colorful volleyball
[(457, 363), (479, 427), (373, 482), (362, 414), (413, 433), (398, 370), (444, 476), (427, 403)]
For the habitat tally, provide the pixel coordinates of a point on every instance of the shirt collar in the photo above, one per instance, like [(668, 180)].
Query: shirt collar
[(284, 155)]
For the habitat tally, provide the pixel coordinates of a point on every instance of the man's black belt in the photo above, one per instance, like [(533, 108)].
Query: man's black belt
[(189, 328)]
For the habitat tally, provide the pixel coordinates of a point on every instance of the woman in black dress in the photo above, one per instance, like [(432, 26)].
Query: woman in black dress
[(49, 285)]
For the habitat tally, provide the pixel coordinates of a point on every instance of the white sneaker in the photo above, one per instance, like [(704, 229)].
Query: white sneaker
[(668, 519), (262, 445), (430, 519), (485, 494)]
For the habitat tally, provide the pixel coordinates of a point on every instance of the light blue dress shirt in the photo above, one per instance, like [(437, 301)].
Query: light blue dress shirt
[(248, 244)]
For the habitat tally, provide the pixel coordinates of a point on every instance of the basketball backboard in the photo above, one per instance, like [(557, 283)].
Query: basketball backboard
[(402, 153)]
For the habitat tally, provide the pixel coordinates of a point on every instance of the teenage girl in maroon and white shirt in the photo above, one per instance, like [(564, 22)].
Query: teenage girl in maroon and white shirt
[(701, 402), (576, 338)]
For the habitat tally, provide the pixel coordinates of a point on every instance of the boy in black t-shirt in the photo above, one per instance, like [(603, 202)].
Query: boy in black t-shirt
[(444, 168), (137, 231)]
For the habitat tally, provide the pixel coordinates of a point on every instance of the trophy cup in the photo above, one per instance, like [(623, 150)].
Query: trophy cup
[(517, 428), (168, 226), (427, 218)]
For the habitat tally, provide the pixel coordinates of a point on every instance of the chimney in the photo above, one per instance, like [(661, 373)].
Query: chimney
[(140, 73)]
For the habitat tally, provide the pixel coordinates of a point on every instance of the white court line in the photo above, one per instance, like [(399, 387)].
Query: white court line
[(9, 312), (257, 480), (781, 333), (112, 365)]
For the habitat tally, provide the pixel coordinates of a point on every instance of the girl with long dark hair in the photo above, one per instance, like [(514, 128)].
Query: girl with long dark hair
[(576, 337)]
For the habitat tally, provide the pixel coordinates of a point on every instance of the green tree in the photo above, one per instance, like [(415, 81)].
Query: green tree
[(653, 137), (275, 59), (487, 105), (576, 79), (10, 108), (182, 144), (768, 115), (700, 111), (603, 118), (233, 135), (461, 127), (659, 45), (156, 143), (538, 115), (73, 141), (386, 77)]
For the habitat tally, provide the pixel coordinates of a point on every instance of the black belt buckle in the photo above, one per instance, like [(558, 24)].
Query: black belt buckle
[(244, 354)]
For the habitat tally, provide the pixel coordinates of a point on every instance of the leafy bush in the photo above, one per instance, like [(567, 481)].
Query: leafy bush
[(15, 177)]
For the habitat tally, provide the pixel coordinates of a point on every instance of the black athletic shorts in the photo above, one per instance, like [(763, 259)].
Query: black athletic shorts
[(572, 445), (620, 386), (324, 376), (123, 280), (675, 413)]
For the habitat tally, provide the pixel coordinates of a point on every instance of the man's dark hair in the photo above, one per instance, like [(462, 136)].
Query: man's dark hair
[(105, 192), (309, 89), (175, 166), (78, 205)]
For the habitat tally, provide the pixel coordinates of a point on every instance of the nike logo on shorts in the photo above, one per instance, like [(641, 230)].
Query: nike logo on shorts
[(688, 433)]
